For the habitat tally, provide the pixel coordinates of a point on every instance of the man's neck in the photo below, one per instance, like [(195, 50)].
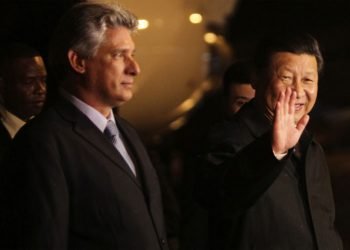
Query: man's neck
[(89, 99)]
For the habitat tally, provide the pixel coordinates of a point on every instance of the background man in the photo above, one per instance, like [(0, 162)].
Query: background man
[(22, 89), (80, 174), (271, 180), (237, 88)]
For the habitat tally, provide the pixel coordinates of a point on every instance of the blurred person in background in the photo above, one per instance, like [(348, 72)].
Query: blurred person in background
[(237, 88), (22, 89)]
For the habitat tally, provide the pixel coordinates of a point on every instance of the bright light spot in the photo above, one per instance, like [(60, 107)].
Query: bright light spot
[(178, 123), (187, 105), (195, 18), (210, 38), (143, 24)]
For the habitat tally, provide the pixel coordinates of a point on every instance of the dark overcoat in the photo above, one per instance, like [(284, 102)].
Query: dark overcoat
[(258, 202)]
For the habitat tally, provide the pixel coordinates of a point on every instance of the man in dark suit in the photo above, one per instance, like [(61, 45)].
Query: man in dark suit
[(22, 89), (268, 184), (80, 176)]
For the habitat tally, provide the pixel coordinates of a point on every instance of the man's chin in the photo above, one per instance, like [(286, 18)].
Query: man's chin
[(298, 118), (126, 97), (36, 105), (121, 100)]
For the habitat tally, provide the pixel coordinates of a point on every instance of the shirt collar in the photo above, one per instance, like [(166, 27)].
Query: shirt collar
[(99, 120), (11, 122)]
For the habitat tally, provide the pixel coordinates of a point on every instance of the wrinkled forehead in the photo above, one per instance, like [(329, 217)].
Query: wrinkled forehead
[(28, 64), (302, 62)]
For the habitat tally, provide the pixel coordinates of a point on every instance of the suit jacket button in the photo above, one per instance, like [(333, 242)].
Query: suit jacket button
[(162, 241)]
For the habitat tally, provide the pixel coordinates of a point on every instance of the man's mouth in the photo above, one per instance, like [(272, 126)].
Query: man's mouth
[(38, 101), (299, 106), (128, 84)]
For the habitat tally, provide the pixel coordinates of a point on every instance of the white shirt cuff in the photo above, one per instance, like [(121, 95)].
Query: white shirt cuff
[(279, 156)]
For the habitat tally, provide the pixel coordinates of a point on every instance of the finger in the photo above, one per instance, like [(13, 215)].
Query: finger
[(277, 113), (302, 123), (278, 100), (291, 109), (276, 128), (287, 100), (283, 102), (289, 94)]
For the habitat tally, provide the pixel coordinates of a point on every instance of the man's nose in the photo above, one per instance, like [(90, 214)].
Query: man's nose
[(298, 88), (40, 86), (133, 67)]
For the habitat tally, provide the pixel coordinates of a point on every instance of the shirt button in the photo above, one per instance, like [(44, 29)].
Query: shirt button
[(162, 241)]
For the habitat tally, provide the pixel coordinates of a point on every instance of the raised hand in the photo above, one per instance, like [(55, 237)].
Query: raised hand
[(286, 131)]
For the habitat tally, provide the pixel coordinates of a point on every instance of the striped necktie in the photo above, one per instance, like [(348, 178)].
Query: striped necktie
[(112, 133)]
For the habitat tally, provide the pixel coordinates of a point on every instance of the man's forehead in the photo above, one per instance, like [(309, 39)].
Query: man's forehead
[(30, 65), (29, 60)]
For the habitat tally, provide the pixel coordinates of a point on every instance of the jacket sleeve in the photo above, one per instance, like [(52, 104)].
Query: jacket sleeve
[(248, 174), (234, 175)]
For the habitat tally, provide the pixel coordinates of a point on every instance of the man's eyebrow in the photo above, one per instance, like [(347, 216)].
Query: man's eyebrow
[(123, 50), (286, 68), (242, 97), (310, 72)]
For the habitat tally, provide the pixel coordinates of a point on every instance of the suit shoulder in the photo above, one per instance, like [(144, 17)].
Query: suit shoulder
[(125, 123), (41, 127), (127, 126)]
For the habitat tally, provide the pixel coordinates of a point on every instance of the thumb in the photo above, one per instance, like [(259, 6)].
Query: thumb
[(302, 123)]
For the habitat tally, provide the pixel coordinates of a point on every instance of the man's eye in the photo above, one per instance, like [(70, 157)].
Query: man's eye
[(118, 54), (286, 77), (29, 81), (240, 103), (308, 81)]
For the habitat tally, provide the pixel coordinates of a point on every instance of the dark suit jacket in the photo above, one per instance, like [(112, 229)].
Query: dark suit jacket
[(261, 203), (5, 140), (71, 189)]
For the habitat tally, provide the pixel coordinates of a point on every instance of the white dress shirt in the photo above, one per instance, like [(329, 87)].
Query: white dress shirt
[(11, 122), (100, 121)]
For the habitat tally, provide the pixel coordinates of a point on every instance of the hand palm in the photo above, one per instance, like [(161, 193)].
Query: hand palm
[(286, 133)]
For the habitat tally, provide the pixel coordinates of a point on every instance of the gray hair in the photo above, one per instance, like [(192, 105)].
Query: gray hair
[(82, 29)]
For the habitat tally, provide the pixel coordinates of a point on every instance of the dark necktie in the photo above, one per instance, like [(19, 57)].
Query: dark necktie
[(111, 131)]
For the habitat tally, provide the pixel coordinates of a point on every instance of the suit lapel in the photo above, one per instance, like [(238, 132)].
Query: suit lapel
[(82, 126), (142, 162), (147, 172)]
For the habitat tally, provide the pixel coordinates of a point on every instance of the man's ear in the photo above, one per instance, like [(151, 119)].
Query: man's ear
[(76, 62)]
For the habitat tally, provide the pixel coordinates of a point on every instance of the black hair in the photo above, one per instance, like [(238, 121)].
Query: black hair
[(12, 51), (239, 72), (291, 41)]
